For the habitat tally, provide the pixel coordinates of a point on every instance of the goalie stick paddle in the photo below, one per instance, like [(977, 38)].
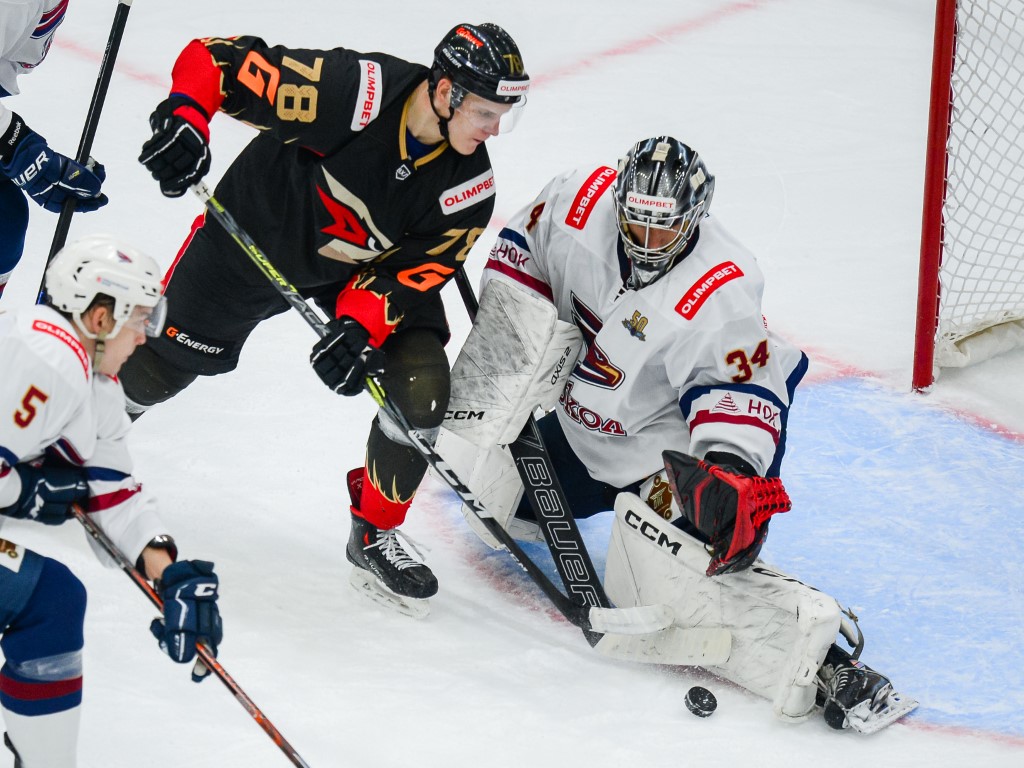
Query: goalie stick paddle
[(204, 653), (92, 120), (595, 621), (547, 499)]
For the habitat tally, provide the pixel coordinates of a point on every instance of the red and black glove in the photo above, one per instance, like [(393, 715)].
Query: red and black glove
[(727, 503), (178, 154)]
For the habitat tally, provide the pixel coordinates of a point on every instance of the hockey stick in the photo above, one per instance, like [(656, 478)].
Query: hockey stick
[(92, 120), (604, 627), (204, 653), (547, 499)]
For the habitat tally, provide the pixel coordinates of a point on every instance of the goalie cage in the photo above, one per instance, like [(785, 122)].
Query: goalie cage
[(971, 286)]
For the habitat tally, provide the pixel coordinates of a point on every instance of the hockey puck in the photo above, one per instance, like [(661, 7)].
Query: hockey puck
[(701, 701)]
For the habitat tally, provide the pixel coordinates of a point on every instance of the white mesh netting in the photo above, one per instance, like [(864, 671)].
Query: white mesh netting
[(981, 309)]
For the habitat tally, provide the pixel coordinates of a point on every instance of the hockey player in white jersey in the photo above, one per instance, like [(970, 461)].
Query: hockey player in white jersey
[(27, 164), (676, 358), (63, 441)]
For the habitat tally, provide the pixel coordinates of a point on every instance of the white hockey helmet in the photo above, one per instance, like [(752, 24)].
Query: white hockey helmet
[(102, 265)]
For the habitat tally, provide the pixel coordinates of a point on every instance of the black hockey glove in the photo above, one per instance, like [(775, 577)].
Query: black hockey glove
[(189, 591), (344, 358), (727, 503), (178, 154), (47, 493)]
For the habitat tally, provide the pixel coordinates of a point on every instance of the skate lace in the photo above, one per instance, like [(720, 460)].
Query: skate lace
[(389, 545)]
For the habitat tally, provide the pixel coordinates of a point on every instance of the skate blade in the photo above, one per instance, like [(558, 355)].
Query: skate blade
[(863, 720), (367, 585)]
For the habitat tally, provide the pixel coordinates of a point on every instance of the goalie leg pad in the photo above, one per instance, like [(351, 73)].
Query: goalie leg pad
[(781, 628), (494, 481), (516, 358)]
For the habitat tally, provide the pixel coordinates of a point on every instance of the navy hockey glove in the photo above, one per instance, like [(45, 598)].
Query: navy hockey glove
[(344, 358), (46, 176), (728, 503), (189, 591), (178, 154), (47, 493)]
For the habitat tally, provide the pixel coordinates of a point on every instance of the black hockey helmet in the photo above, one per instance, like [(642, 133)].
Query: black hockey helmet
[(482, 59), (662, 184)]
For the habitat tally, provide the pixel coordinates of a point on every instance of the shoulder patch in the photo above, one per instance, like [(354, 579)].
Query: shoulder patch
[(72, 341), (368, 97), (596, 185), (711, 281), (467, 193)]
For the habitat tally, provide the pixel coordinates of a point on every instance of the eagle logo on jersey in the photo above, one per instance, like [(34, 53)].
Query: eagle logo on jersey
[(354, 236), (635, 325), (595, 367)]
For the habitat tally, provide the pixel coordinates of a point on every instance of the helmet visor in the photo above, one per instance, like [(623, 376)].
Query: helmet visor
[(490, 116), (148, 320)]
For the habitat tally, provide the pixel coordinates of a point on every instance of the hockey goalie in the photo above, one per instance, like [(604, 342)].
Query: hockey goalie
[(618, 303)]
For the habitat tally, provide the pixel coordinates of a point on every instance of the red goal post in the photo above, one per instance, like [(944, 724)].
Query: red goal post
[(971, 280)]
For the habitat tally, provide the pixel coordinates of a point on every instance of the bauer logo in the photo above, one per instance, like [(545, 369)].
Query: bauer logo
[(710, 282), (595, 186), (469, 193), (368, 95)]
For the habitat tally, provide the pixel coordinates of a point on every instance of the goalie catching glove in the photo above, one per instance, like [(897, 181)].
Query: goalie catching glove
[(727, 503)]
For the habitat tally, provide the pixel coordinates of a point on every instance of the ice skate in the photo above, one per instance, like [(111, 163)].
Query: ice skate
[(855, 696), (382, 570)]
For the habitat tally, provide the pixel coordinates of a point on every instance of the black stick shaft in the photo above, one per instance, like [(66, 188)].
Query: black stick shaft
[(92, 120)]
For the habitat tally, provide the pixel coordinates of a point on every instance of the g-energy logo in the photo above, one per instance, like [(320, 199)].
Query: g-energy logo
[(187, 340)]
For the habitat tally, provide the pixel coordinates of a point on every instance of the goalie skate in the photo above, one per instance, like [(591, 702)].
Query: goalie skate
[(858, 697)]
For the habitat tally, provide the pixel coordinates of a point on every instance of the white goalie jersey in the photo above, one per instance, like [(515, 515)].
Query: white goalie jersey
[(56, 407), (686, 363)]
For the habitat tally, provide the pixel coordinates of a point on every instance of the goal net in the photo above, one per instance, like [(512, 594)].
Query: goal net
[(971, 291)]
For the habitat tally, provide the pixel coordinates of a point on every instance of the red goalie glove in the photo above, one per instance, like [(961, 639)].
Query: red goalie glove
[(729, 508)]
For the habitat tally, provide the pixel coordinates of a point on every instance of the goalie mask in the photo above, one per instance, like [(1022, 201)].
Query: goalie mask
[(98, 266), (483, 60), (662, 191)]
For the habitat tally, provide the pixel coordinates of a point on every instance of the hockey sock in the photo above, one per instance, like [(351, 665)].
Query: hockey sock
[(41, 680)]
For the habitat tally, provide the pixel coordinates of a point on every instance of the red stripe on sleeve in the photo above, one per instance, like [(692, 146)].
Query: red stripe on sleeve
[(707, 417), (108, 500), (531, 282)]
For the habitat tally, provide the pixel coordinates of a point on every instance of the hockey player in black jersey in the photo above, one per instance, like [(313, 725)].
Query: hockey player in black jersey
[(368, 184)]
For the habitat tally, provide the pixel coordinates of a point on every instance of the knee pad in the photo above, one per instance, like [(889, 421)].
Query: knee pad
[(42, 646), (417, 377), (149, 379)]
